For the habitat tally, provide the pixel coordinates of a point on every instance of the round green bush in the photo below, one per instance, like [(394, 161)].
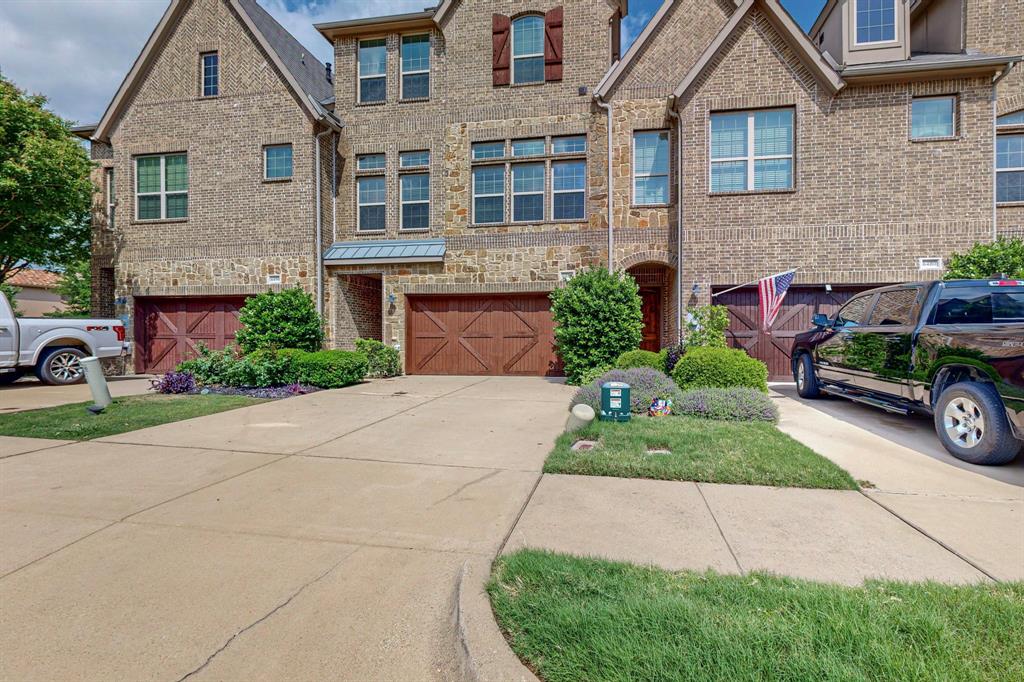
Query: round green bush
[(384, 360), (286, 319), (721, 368), (331, 368), (632, 359), (593, 374)]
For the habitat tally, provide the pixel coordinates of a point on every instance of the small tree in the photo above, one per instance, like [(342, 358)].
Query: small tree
[(75, 289), (706, 326), (280, 320), (597, 317), (981, 261), (10, 291)]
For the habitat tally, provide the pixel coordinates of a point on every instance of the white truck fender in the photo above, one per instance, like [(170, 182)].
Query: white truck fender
[(40, 344)]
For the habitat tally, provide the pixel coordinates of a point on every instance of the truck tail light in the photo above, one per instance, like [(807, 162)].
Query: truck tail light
[(119, 330), (1007, 283)]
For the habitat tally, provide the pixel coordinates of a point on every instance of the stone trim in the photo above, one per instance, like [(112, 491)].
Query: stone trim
[(475, 288), (210, 251), (661, 257), (205, 290)]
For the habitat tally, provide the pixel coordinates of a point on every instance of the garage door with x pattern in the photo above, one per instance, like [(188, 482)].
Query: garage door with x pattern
[(488, 335), (169, 330)]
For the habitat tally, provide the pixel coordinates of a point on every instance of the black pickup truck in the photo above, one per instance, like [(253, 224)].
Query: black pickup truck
[(954, 350)]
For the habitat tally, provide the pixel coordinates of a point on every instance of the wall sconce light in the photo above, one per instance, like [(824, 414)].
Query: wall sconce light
[(828, 288), (695, 289), (392, 298)]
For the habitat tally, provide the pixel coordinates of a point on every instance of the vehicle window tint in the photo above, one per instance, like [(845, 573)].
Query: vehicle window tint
[(894, 308), (1008, 307), (964, 306), (852, 314)]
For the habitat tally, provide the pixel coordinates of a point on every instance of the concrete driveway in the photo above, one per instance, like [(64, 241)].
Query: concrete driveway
[(32, 394), (314, 538)]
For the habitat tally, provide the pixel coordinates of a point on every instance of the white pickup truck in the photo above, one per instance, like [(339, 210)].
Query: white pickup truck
[(54, 347)]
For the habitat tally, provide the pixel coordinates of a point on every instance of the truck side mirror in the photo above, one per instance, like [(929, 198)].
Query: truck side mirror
[(821, 320)]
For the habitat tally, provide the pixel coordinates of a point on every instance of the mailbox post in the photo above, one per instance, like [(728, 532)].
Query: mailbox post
[(615, 401)]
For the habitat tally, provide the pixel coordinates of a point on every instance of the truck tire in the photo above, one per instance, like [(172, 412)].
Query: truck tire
[(806, 380), (971, 423), (61, 366)]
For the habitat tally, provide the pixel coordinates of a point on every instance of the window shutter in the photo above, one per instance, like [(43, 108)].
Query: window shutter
[(553, 45), (501, 60)]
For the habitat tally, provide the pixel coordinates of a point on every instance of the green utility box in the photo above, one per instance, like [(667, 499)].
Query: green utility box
[(615, 401)]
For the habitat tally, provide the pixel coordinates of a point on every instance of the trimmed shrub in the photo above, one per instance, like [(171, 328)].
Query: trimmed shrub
[(728, 404), (210, 366), (632, 359), (720, 367), (267, 368), (982, 261), (286, 319), (672, 355), (706, 327), (597, 318), (645, 385), (331, 368), (174, 382), (384, 361), (593, 374)]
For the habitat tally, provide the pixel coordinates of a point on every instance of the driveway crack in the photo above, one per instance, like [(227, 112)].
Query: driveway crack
[(462, 487)]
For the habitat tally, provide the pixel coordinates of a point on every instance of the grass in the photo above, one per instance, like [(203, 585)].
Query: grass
[(74, 422), (574, 619), (754, 453)]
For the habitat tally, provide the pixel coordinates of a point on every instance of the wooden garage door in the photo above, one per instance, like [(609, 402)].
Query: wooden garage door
[(799, 306), (494, 335), (168, 330)]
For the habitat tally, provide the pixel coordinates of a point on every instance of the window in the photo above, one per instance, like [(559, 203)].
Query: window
[(528, 50), (752, 150), (570, 144), (650, 168), (489, 194), (979, 305), (277, 162), (373, 65), (372, 195), (568, 186), (488, 150), (1009, 168), (416, 67), (161, 187), (876, 21), (932, 117), (528, 147), (370, 162), (211, 74), (527, 192), (1014, 119), (894, 308), (415, 191), (852, 314), (413, 159), (110, 196)]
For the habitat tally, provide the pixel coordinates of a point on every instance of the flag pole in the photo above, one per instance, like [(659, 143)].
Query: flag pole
[(753, 281)]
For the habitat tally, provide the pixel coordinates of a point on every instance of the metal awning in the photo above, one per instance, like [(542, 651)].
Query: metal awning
[(388, 251)]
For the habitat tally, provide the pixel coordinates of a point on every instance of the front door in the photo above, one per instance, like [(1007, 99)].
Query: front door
[(650, 305)]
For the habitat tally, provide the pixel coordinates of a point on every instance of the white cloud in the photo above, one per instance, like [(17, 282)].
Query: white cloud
[(77, 52)]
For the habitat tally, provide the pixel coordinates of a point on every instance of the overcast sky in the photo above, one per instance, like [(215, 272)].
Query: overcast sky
[(76, 52)]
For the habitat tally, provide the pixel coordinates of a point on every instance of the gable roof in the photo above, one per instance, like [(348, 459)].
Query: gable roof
[(304, 74), (34, 278), (619, 68)]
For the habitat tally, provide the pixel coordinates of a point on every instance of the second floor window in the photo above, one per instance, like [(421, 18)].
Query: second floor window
[(161, 187), (528, 49), (876, 21), (371, 197), (489, 194), (277, 162), (373, 66), (527, 192), (415, 191), (568, 187), (111, 197), (416, 67), (211, 74), (1010, 168), (650, 168), (932, 117), (752, 150)]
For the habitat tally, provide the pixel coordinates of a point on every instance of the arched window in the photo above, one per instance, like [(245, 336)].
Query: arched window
[(528, 49)]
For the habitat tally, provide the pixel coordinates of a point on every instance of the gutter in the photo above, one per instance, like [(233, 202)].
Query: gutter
[(319, 227), (679, 216), (914, 67), (607, 106)]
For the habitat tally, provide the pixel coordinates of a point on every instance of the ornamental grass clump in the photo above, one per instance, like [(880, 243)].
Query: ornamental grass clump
[(645, 385), (727, 404)]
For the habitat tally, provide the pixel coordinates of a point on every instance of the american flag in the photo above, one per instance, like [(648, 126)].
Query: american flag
[(771, 291)]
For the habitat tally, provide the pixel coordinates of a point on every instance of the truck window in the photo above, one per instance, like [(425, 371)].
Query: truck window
[(894, 308), (852, 314), (1008, 307), (977, 305)]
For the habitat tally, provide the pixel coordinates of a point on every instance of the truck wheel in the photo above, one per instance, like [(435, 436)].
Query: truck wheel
[(806, 381), (61, 366), (971, 423)]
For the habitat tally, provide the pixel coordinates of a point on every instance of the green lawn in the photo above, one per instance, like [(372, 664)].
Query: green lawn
[(74, 422), (574, 619), (754, 453)]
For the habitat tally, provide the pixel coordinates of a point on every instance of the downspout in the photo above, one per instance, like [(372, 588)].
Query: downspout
[(679, 217), (334, 188), (611, 185), (319, 228), (995, 146)]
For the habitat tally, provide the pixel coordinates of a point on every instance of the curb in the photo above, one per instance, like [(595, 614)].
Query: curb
[(484, 654)]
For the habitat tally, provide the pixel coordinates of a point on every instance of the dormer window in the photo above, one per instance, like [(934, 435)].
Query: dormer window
[(528, 50), (876, 21)]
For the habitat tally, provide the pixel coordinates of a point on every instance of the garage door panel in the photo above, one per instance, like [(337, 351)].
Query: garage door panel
[(168, 331)]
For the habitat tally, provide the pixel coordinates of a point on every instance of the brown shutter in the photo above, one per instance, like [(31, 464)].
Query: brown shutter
[(553, 45), (501, 60)]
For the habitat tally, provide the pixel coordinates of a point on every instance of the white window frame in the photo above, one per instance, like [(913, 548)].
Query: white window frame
[(750, 157), (512, 186), (360, 204), (401, 65), (956, 128), (163, 193), (668, 172), (532, 55), (110, 194), (554, 192), (359, 71), (202, 73), (1011, 169), (402, 203), (505, 151), (474, 195), (291, 173), (895, 27), (403, 165), (555, 138)]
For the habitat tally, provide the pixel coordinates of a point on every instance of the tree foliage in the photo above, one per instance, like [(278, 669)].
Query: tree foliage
[(45, 190), (982, 261), (706, 327), (75, 289), (10, 291)]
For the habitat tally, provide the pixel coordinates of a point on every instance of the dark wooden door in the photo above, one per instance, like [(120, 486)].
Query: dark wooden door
[(492, 335), (650, 306), (169, 330), (799, 306)]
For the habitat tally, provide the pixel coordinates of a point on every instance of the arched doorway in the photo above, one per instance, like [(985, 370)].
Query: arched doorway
[(655, 282)]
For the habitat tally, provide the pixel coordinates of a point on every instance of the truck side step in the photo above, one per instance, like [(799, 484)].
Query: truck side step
[(865, 399)]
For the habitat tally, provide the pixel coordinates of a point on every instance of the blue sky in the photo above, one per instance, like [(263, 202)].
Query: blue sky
[(77, 51)]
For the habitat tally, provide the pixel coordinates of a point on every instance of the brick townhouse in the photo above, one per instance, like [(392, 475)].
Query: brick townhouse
[(454, 168)]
